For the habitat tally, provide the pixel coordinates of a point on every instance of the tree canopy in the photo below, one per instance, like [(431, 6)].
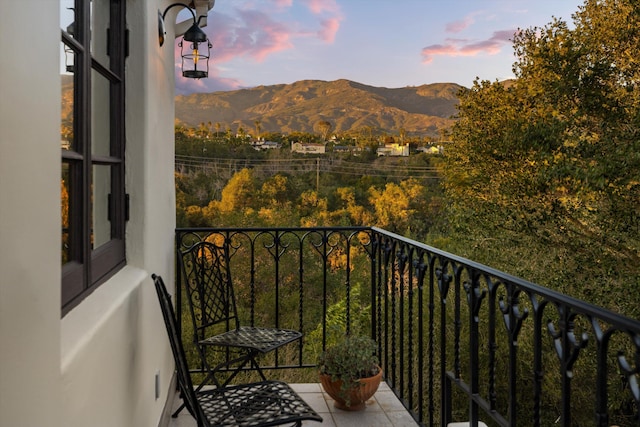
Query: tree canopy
[(554, 155)]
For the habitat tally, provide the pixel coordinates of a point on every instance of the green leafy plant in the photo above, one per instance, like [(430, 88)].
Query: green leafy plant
[(349, 360)]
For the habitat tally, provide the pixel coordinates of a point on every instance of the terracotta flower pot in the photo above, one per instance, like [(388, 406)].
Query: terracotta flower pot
[(358, 396)]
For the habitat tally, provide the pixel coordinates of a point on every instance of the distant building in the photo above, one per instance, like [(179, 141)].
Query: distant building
[(261, 145), (308, 148), (393, 149), (342, 148), (430, 149)]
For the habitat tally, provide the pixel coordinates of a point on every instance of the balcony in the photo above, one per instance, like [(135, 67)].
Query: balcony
[(458, 341)]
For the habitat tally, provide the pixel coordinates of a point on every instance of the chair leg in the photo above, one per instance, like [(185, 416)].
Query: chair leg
[(204, 382), (177, 412), (240, 363), (257, 368)]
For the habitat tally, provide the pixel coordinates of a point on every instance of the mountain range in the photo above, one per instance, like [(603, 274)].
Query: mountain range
[(346, 105)]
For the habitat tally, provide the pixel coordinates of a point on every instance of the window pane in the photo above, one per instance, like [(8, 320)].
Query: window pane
[(101, 227), (67, 16), (67, 59), (100, 119), (66, 120), (67, 24), (100, 13), (64, 202)]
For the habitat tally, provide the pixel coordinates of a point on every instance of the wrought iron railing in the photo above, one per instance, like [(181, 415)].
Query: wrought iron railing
[(457, 340)]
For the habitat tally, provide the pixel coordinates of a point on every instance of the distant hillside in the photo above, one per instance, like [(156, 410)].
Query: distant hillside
[(345, 104)]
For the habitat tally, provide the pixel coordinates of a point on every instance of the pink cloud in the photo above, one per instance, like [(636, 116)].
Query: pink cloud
[(458, 26), (260, 36), (331, 23), (329, 29), (438, 50), (254, 34), (320, 6), (462, 47)]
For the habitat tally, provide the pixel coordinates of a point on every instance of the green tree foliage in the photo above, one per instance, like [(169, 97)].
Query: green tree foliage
[(552, 158)]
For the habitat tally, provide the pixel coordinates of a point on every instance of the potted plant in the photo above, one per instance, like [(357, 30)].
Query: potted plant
[(350, 372)]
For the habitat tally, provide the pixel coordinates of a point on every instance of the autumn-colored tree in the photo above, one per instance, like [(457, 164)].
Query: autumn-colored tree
[(397, 206), (276, 191), (360, 215), (239, 192), (258, 128), (313, 209), (324, 127)]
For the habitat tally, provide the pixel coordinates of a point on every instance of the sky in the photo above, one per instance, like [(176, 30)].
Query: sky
[(385, 43)]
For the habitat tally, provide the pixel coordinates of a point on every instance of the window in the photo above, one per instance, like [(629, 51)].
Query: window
[(93, 198)]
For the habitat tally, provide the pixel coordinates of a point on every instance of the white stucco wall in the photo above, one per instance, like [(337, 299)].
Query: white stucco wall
[(29, 215), (115, 342), (97, 365)]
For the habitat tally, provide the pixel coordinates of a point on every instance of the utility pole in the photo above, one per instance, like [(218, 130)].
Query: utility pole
[(318, 175)]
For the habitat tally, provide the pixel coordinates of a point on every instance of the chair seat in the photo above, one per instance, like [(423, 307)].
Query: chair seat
[(263, 340), (265, 403)]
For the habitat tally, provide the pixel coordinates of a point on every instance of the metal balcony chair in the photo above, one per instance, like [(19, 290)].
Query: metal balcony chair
[(212, 306), (264, 403)]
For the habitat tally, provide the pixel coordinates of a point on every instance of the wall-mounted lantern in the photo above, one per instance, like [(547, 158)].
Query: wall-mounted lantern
[(195, 47)]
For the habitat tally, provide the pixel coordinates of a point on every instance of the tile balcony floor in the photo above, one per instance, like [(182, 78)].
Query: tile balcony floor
[(383, 410)]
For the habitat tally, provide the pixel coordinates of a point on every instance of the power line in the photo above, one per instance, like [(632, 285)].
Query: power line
[(293, 166)]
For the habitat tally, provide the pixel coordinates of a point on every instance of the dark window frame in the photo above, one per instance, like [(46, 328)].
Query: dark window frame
[(88, 267)]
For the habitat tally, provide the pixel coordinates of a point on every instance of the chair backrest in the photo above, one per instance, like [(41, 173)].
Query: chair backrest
[(207, 278), (184, 379)]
